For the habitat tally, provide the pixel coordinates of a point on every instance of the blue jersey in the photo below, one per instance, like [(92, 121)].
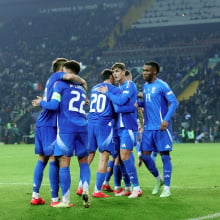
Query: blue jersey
[(101, 107), (71, 116), (48, 117), (69, 101), (128, 97), (159, 104)]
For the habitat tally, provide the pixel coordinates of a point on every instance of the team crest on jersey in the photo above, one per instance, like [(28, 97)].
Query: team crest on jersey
[(153, 90)]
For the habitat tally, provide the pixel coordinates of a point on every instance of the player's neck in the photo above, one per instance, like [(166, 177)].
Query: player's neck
[(122, 80), (107, 81), (153, 80)]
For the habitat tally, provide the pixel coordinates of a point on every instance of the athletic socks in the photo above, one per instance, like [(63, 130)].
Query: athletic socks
[(65, 181), (150, 164), (54, 178), (131, 170), (100, 177), (125, 175), (38, 175), (85, 175), (167, 169), (117, 175), (109, 170)]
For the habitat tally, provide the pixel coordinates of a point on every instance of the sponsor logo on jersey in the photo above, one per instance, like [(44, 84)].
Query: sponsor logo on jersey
[(123, 146), (167, 146)]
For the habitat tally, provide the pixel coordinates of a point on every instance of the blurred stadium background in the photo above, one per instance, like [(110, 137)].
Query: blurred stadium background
[(182, 35)]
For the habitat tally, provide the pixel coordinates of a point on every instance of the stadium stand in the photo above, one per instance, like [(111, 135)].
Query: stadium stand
[(182, 36)]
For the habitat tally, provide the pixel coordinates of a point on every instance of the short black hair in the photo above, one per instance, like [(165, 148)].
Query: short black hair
[(73, 65), (106, 73), (153, 64)]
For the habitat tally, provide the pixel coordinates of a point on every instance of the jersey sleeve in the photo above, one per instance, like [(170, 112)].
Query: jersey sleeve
[(123, 98), (60, 75), (53, 104), (124, 109), (172, 100)]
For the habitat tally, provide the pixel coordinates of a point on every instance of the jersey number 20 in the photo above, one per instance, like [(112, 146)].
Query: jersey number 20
[(98, 103)]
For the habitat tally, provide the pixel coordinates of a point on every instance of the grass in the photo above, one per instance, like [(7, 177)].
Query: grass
[(195, 188)]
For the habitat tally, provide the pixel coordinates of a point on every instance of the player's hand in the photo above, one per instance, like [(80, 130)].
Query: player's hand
[(140, 95), (36, 102), (85, 86), (164, 125), (140, 162), (103, 89)]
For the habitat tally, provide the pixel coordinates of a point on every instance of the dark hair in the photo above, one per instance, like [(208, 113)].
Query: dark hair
[(153, 64), (106, 73), (73, 65), (119, 65), (58, 63), (127, 73)]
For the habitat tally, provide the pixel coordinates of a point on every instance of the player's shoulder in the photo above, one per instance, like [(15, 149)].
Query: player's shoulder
[(161, 83), (54, 77), (60, 84), (130, 84), (75, 86), (57, 75), (95, 87)]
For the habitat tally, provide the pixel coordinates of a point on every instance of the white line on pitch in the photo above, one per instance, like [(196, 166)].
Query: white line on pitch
[(210, 216)]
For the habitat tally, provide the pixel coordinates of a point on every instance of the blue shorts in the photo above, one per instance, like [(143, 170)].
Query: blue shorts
[(100, 137), (45, 138), (156, 141), (70, 144), (127, 138)]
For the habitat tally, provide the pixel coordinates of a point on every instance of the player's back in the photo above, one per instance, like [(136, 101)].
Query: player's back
[(48, 117), (101, 108), (71, 113)]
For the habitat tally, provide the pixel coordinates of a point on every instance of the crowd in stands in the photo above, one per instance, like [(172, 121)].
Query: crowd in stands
[(201, 112), (28, 47), (171, 12)]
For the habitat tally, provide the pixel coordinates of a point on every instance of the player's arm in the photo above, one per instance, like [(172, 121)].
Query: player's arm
[(173, 104), (172, 107), (124, 108), (115, 98), (75, 78), (53, 104), (141, 117)]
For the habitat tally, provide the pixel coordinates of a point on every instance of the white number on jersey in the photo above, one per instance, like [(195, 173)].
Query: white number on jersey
[(75, 99), (147, 97), (98, 103)]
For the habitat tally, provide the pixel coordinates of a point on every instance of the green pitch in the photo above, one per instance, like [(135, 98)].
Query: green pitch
[(195, 189)]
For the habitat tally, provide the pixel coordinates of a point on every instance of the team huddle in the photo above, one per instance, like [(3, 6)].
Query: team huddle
[(64, 129)]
